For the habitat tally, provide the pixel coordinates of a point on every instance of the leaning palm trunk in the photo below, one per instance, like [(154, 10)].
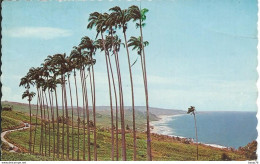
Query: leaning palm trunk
[(84, 131), (63, 133), (114, 86), (52, 116), (41, 140), (36, 117), (30, 141), (87, 111), (111, 105), (77, 111), (121, 99), (196, 136), (72, 151), (53, 126), (49, 128), (94, 111), (149, 146), (45, 128), (58, 127), (132, 91), (67, 116)]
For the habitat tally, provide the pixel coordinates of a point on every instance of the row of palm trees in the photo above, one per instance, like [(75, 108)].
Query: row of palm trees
[(56, 72)]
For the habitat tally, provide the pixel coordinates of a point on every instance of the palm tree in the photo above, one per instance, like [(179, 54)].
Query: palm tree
[(98, 20), (51, 85), (69, 69), (91, 46), (139, 15), (112, 23), (45, 71), (122, 17), (110, 47), (36, 122), (26, 82), (51, 88), (59, 62), (50, 60), (74, 56), (30, 95), (191, 111)]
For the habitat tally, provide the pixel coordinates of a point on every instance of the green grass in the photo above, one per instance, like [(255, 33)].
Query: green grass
[(163, 148), (9, 123), (7, 156)]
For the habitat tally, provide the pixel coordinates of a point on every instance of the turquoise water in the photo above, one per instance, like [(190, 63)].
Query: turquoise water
[(230, 129)]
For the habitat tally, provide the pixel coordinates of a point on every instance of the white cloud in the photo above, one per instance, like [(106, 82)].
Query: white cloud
[(37, 32)]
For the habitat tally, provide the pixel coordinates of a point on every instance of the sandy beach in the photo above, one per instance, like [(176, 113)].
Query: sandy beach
[(160, 126)]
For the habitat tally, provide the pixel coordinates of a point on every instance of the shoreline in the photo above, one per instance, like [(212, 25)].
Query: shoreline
[(160, 127)]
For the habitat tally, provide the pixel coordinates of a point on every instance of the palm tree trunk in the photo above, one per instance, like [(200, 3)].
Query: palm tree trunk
[(77, 111), (94, 111), (45, 128), (111, 105), (41, 140), (35, 130), (84, 131), (72, 152), (149, 146), (121, 99), (114, 86), (63, 125), (58, 127), (196, 136), (67, 117), (53, 127), (52, 117), (30, 141), (49, 128), (132, 91), (87, 110)]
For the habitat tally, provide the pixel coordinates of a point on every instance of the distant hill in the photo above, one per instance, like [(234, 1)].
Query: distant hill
[(153, 110)]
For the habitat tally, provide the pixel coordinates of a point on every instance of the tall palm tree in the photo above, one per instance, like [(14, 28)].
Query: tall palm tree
[(112, 23), (36, 122), (59, 61), (86, 64), (91, 46), (45, 71), (75, 62), (26, 82), (70, 67), (98, 20), (50, 60), (30, 95), (191, 110), (122, 17), (139, 16), (51, 87)]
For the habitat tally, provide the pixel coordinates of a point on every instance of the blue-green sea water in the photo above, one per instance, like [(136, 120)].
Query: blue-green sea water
[(229, 129)]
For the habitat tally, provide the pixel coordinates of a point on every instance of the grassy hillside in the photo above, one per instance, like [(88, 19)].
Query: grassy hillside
[(163, 147), (102, 115)]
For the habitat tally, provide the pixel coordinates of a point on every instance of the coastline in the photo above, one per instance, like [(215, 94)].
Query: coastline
[(160, 127)]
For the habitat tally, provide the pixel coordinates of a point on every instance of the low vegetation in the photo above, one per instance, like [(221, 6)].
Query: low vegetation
[(163, 147)]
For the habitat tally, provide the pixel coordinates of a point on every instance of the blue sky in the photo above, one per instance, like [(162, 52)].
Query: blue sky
[(201, 53)]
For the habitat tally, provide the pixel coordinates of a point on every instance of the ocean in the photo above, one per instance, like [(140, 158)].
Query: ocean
[(228, 129)]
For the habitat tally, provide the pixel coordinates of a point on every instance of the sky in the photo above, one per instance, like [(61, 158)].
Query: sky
[(201, 52)]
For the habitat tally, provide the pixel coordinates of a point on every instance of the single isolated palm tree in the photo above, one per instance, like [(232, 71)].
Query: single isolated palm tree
[(191, 111)]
